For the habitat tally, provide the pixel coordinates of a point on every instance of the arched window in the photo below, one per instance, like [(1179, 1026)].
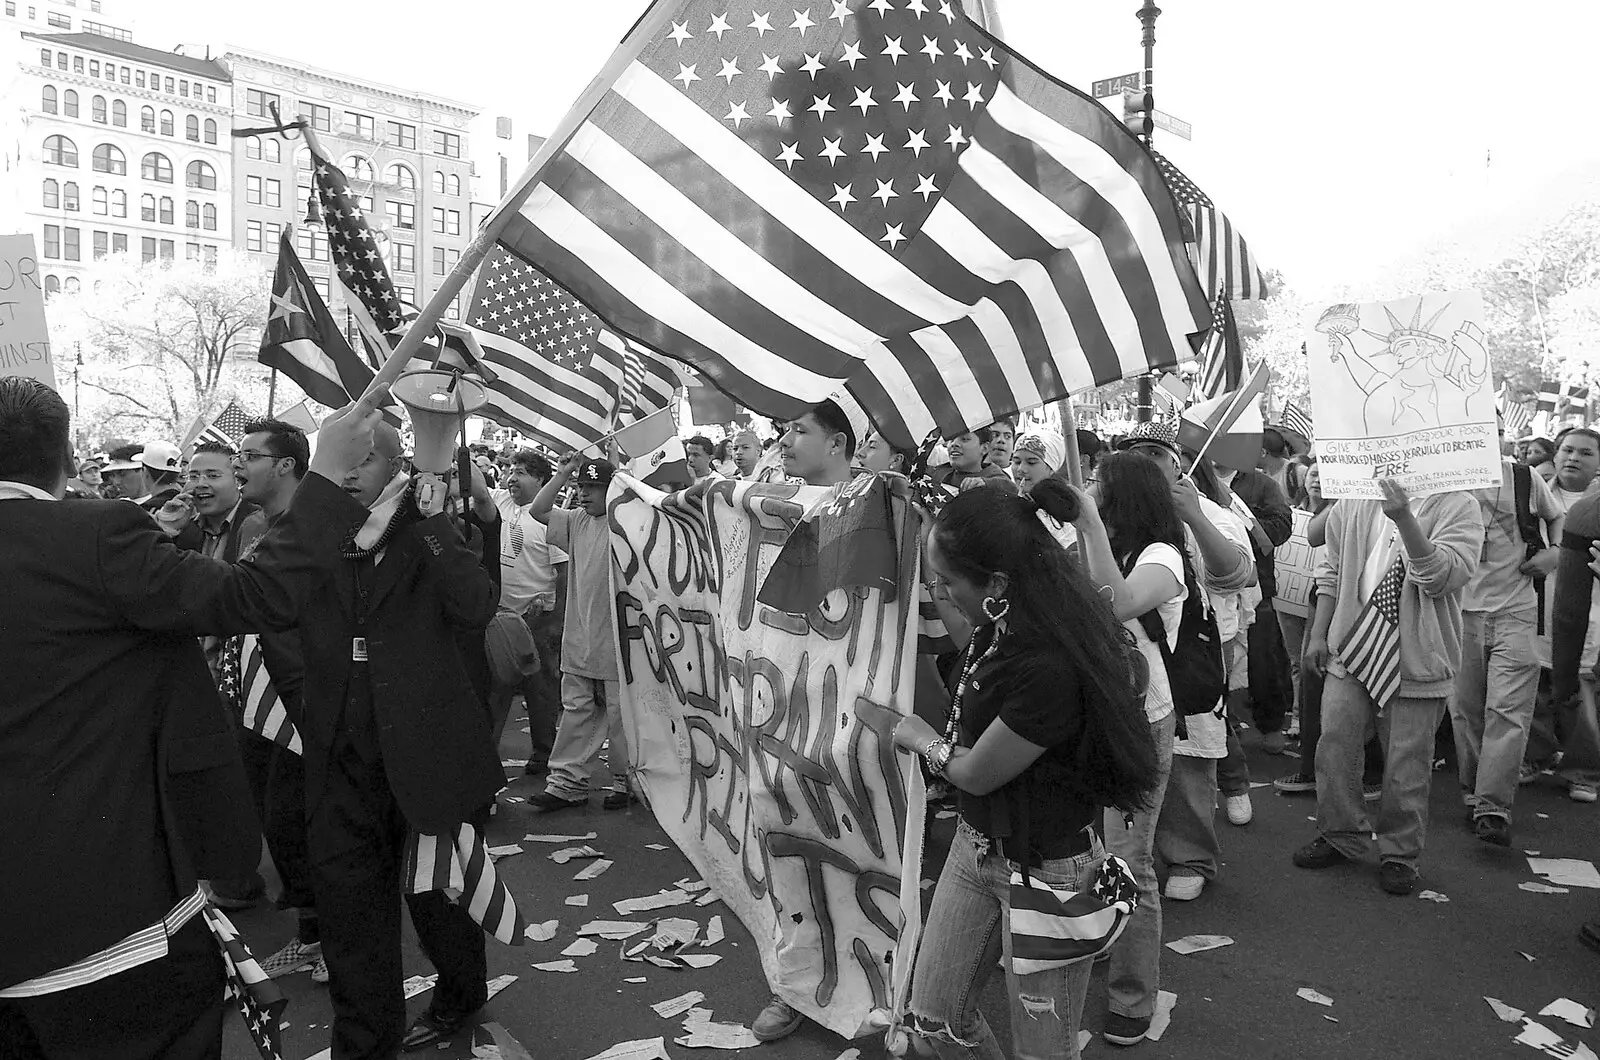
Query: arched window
[(48, 103), (108, 158), (73, 286), (147, 207), (60, 151), (52, 285), (69, 104), (191, 128), (69, 195), (455, 184), (402, 177), (191, 214), (119, 114), (166, 210), (358, 167), (252, 147), (166, 123), (156, 166), (100, 201), (97, 109), (147, 119), (119, 203), (200, 175), (209, 213), (438, 181), (302, 158), (52, 194), (272, 150), (211, 130)]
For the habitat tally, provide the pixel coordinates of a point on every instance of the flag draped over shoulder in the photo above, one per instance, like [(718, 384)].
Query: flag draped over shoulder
[(882, 194), (302, 341), (561, 375)]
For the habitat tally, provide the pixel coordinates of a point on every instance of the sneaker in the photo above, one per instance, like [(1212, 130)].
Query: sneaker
[(1240, 811), (1184, 886), (1296, 784), (547, 802), (319, 974), (1397, 877), (1125, 1030), (1274, 743), (1492, 828), (1527, 774), (1372, 792), (1581, 792), (1319, 854), (294, 956), (620, 800), (777, 1020)]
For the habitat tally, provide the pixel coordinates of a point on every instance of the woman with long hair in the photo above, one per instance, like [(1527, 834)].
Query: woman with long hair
[(1045, 735)]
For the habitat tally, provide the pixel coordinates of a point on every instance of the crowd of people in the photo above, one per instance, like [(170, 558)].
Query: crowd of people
[(1107, 636)]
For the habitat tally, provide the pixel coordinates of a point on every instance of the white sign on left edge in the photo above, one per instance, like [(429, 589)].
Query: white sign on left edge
[(24, 338)]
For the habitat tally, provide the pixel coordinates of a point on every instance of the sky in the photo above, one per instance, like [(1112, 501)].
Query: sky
[(1345, 140)]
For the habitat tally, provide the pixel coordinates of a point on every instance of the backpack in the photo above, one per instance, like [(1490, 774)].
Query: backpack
[(1528, 528), (1194, 668)]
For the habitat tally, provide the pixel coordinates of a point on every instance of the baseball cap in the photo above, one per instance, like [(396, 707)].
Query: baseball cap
[(158, 456), (594, 473), (1152, 432)]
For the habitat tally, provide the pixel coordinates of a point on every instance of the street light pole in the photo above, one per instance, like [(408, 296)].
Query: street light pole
[(1144, 409)]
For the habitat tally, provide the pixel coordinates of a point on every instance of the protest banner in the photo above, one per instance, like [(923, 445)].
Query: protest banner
[(1402, 390), (761, 737), (24, 338), (1295, 562)]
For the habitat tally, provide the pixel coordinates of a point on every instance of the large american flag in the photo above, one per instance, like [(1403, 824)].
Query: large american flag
[(1371, 651), (226, 427), (1221, 355), (879, 192), (1221, 256), (563, 377), (358, 265)]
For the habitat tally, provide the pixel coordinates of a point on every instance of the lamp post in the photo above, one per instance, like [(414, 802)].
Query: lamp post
[(1144, 408)]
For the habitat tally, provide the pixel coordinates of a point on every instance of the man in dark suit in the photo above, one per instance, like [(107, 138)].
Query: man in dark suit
[(396, 742), (120, 780)]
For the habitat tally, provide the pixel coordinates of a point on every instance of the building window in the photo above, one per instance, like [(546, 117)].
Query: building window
[(108, 158), (272, 150), (169, 248), (453, 310), (56, 21), (138, 78), (405, 257), (48, 102), (73, 285), (402, 214), (198, 174), (94, 68), (45, 57), (252, 190), (119, 242), (252, 147), (407, 295), (166, 123), (312, 243), (274, 232), (101, 202), (102, 244), (191, 214), (69, 195), (358, 167), (147, 249), (402, 177), (52, 285), (191, 252), (320, 117), (170, 86), (183, 90), (77, 64), (97, 109), (69, 244), (210, 256), (119, 114), (252, 236), (147, 119), (444, 260), (52, 241), (52, 194), (60, 151), (257, 102), (403, 135), (147, 208), (211, 130), (119, 203), (166, 210), (69, 104), (447, 144), (446, 222), (273, 193), (61, 57), (156, 166), (208, 215), (362, 125), (191, 128), (122, 75)]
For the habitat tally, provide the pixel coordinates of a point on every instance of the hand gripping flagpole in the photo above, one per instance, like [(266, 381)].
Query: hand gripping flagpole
[(643, 31)]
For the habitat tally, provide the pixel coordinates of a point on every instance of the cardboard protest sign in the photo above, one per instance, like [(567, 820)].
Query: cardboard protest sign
[(1402, 390), (1295, 562), (24, 338), (762, 738)]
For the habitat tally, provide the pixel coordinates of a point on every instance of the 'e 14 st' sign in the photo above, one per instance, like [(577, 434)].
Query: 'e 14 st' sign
[(1113, 86)]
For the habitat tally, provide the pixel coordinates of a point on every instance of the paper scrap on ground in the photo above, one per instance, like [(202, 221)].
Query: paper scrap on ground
[(514, 762), (418, 984), (594, 869), (1313, 996), (530, 838), (1542, 888), (639, 1049), (656, 846), (944, 815), (1084, 1038), (707, 898), (1540, 1037), (1503, 1010), (1330, 1019), (499, 983), (694, 886), (700, 960), (1166, 1001), (677, 1006), (1526, 956), (566, 854), (636, 979), (1199, 943), (542, 932), (650, 901), (567, 965), (849, 1054), (505, 1046), (578, 899), (506, 851), (674, 931), (1432, 896), (1564, 1008), (714, 932), (614, 929), (704, 1033), (580, 948), (1570, 872)]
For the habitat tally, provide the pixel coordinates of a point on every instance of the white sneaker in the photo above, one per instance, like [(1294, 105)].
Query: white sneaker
[(1581, 792), (319, 974), (1184, 887), (1239, 809)]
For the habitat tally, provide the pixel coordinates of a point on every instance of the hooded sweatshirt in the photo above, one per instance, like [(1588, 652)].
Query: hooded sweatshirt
[(1430, 598)]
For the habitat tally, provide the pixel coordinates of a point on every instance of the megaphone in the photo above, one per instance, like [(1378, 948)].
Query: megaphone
[(437, 400)]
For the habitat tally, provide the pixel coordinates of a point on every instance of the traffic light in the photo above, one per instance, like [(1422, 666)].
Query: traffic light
[(1138, 112)]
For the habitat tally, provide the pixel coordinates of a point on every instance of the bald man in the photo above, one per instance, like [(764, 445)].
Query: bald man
[(396, 742), (746, 453)]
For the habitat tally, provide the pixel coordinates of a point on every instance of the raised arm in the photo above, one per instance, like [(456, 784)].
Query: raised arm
[(545, 499)]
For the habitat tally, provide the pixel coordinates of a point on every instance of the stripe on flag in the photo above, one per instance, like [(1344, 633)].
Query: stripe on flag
[(997, 242), (226, 428), (1220, 254), (264, 712), (1371, 650), (247, 987), (459, 865), (1221, 355), (359, 269), (1297, 420)]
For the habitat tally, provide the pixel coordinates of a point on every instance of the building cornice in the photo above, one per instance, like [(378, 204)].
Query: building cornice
[(324, 78)]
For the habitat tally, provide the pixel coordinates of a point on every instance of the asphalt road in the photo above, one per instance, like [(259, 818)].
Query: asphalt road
[(1407, 976)]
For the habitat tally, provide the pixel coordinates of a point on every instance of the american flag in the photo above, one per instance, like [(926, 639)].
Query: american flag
[(562, 373), (1221, 255), (264, 712), (459, 865), (1515, 415), (369, 293), (1221, 356), (226, 427), (874, 192), (247, 987), (1297, 420), (1371, 651)]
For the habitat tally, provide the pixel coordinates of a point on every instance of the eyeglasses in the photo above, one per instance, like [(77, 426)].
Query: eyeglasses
[(247, 455)]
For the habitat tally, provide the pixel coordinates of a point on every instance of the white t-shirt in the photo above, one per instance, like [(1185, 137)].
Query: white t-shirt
[(1158, 700), (1208, 732), (527, 562)]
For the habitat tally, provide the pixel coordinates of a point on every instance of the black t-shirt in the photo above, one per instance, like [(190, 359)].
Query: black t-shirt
[(1040, 698)]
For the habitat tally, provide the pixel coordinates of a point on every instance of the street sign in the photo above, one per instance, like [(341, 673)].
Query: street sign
[(1176, 126), (1113, 86)]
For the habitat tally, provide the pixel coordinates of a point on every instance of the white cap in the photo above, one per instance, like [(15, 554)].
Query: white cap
[(161, 456)]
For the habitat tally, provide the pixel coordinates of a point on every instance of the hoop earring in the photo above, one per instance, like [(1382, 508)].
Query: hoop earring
[(996, 610)]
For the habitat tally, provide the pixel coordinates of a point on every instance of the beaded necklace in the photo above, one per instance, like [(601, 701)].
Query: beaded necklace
[(969, 664)]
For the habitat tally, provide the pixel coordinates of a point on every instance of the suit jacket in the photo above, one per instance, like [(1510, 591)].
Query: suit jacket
[(432, 729), (1270, 505), (120, 778)]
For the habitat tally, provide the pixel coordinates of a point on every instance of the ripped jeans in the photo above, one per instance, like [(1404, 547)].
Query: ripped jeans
[(962, 945)]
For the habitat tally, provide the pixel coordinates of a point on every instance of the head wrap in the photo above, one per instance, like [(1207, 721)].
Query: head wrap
[(1046, 444)]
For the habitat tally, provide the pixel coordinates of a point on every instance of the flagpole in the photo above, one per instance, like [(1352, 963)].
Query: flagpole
[(1069, 436), (272, 392), (643, 31), (1229, 415)]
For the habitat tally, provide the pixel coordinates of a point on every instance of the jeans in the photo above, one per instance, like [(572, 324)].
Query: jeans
[(1233, 771), (1271, 691), (1135, 968), (1493, 707), (1405, 729), (1575, 733), (962, 945), (1186, 833), (540, 692), (591, 713), (1293, 630)]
